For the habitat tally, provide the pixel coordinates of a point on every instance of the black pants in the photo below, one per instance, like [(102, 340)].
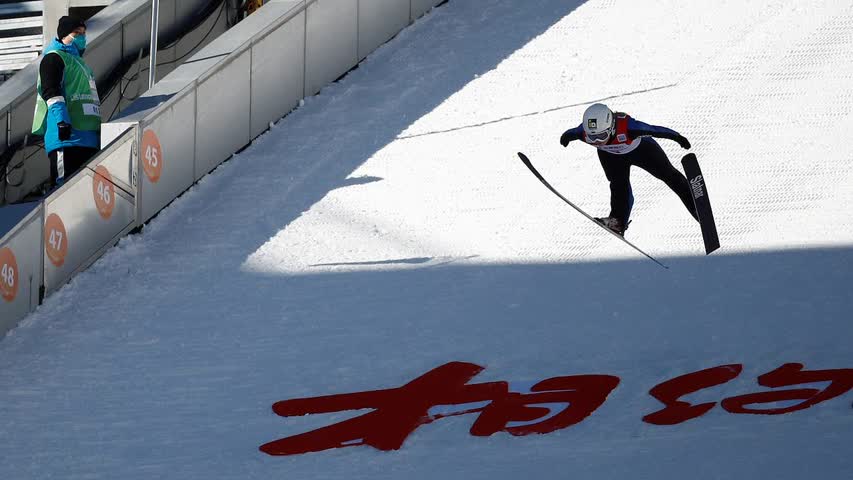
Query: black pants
[(651, 158), (73, 159)]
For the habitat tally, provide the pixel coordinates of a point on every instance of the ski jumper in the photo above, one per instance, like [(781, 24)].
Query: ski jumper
[(632, 144)]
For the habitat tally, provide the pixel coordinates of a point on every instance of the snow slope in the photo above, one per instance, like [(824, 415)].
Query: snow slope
[(386, 228)]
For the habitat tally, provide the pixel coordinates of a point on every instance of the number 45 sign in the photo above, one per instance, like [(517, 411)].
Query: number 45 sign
[(152, 156)]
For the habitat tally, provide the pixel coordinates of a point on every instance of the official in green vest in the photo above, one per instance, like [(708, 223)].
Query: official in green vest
[(68, 109)]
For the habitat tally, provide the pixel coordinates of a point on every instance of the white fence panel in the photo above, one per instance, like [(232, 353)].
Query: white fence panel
[(278, 73), (223, 119), (420, 7), (82, 220), (20, 270), (121, 161), (331, 42), (379, 21), (166, 155)]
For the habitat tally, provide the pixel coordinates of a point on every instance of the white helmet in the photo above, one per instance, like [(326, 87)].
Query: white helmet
[(598, 123)]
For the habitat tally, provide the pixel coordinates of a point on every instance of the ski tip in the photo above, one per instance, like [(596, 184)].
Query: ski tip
[(522, 156)]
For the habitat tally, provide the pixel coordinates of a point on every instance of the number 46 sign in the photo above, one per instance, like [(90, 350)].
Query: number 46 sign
[(152, 156), (103, 192)]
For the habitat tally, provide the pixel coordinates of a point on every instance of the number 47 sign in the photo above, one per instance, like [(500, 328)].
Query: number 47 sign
[(55, 240)]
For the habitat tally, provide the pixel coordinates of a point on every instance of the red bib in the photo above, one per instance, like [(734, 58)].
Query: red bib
[(620, 143), (621, 134)]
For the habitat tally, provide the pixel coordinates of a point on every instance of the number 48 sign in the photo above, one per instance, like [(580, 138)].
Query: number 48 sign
[(8, 275), (152, 156)]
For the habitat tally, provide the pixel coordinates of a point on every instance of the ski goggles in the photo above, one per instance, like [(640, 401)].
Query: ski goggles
[(598, 137)]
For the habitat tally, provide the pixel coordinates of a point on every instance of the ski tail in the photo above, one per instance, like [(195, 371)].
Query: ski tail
[(538, 175), (703, 204)]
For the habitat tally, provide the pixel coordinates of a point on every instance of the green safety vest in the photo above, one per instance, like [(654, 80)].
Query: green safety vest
[(81, 97)]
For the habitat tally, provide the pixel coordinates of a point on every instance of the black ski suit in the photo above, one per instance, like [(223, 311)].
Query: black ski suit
[(631, 144)]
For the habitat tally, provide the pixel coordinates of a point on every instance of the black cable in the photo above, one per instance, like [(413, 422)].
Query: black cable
[(136, 76), (190, 51), (126, 65), (195, 22), (118, 103)]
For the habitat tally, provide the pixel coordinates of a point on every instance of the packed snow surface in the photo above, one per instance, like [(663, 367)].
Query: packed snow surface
[(386, 228)]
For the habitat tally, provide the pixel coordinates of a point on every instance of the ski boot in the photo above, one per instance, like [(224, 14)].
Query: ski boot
[(613, 224)]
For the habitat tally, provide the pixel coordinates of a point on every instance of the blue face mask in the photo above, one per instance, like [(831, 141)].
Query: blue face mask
[(80, 43)]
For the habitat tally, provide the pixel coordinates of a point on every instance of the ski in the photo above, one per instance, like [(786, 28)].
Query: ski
[(529, 165), (702, 202)]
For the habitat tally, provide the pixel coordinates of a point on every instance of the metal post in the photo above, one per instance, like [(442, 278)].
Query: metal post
[(155, 20), (52, 11)]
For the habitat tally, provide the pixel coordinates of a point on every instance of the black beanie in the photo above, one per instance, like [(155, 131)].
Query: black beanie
[(67, 25)]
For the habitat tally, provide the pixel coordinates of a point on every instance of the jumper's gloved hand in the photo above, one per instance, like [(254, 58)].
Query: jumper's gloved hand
[(685, 144), (64, 130), (565, 138)]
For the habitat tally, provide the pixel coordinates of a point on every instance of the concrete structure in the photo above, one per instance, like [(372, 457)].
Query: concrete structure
[(55, 9)]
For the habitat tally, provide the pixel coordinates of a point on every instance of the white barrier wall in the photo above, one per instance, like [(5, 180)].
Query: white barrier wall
[(223, 117), (166, 155), (420, 7), (87, 215), (20, 270), (379, 21), (195, 118), (120, 159), (331, 41), (278, 73)]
